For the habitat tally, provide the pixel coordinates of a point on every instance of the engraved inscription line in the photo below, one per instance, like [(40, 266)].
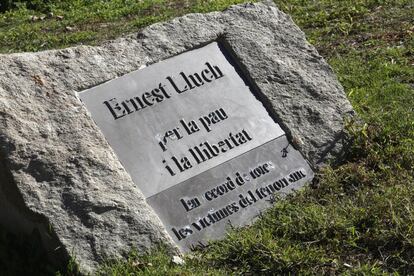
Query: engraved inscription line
[(182, 83)]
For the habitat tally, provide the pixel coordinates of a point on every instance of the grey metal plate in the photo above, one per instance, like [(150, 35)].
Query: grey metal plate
[(140, 110), (203, 207)]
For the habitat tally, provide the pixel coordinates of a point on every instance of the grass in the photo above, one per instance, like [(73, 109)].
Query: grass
[(356, 218), (73, 22)]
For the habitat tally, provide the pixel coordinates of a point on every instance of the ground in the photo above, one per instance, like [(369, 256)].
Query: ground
[(357, 218)]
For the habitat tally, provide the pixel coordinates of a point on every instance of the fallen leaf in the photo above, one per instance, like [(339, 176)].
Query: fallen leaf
[(136, 263), (178, 260)]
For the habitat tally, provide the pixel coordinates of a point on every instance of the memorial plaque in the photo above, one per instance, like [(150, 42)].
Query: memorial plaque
[(195, 140)]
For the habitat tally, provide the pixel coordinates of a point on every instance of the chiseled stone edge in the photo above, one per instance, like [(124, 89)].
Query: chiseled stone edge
[(64, 172)]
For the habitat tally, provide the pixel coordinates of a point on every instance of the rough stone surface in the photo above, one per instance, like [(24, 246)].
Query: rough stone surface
[(58, 173)]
